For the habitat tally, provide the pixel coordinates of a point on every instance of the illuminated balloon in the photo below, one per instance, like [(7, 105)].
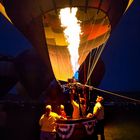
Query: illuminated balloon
[(39, 21)]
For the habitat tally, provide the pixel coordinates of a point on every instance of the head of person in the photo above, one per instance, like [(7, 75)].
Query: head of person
[(99, 99), (61, 107), (74, 80), (82, 101), (48, 109)]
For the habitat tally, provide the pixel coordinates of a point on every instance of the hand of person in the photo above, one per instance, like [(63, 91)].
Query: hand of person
[(89, 115)]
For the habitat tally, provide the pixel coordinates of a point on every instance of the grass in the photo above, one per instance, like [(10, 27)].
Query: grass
[(123, 124)]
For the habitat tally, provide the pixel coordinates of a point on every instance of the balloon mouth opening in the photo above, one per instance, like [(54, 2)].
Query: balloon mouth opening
[(95, 29)]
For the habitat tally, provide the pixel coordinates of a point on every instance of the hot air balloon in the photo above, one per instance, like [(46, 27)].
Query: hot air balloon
[(32, 72), (40, 23)]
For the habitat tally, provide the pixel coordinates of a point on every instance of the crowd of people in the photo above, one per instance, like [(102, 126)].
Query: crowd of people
[(48, 120), (47, 123)]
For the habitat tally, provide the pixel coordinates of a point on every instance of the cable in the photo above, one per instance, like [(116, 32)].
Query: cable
[(112, 93)]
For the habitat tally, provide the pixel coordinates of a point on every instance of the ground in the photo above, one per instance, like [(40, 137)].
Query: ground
[(123, 123)]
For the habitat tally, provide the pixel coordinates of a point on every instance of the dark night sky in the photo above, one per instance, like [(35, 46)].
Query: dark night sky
[(121, 55)]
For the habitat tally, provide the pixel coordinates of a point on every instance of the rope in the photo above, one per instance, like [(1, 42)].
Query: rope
[(112, 93), (100, 51), (89, 63), (92, 23), (97, 55), (101, 90)]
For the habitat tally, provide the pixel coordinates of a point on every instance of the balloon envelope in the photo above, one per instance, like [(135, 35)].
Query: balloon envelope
[(33, 73), (95, 28), (39, 22)]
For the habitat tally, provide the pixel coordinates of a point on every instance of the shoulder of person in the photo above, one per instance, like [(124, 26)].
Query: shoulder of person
[(53, 113), (98, 104), (75, 103), (43, 115)]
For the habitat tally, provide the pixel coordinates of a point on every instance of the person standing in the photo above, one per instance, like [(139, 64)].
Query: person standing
[(48, 124), (62, 112), (98, 112), (75, 105), (79, 108)]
